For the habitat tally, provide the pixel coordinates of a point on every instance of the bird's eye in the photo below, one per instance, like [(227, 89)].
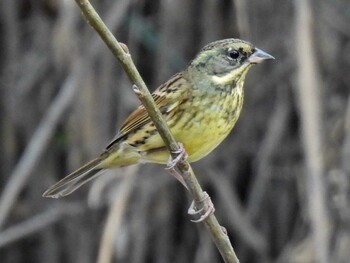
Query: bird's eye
[(234, 54)]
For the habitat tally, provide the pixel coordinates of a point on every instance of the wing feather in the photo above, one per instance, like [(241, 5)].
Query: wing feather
[(167, 97)]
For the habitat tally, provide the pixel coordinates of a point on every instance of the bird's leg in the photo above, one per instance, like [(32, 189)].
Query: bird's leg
[(171, 166), (206, 205)]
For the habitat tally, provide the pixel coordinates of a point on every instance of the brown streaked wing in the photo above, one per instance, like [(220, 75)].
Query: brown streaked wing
[(166, 101)]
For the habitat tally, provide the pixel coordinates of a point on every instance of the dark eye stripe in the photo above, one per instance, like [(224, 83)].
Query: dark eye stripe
[(244, 54)]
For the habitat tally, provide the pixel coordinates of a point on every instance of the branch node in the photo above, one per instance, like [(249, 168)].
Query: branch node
[(224, 230), (136, 90), (125, 48)]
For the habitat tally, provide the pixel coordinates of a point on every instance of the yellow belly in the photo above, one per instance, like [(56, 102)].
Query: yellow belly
[(200, 134), (197, 145)]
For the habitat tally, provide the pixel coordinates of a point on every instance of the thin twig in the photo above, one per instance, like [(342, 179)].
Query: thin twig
[(219, 237)]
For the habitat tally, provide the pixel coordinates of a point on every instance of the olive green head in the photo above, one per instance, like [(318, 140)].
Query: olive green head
[(226, 61)]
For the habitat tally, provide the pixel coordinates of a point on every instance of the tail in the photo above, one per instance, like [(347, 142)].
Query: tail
[(122, 155), (73, 181)]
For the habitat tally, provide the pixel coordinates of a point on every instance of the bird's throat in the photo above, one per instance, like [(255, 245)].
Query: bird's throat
[(231, 77)]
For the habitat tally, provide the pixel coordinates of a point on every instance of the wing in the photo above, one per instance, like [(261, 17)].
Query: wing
[(167, 97)]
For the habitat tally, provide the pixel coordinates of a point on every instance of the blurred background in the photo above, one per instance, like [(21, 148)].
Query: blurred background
[(279, 182)]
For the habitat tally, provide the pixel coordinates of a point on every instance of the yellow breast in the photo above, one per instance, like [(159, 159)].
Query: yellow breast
[(201, 127)]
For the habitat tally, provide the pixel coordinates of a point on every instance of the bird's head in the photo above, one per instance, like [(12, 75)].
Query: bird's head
[(227, 61)]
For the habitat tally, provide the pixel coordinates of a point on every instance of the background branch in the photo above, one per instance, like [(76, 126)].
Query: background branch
[(39, 141), (114, 219), (309, 88), (37, 146), (39, 222)]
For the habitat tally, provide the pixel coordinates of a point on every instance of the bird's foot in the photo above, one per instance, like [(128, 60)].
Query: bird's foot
[(181, 156), (207, 208)]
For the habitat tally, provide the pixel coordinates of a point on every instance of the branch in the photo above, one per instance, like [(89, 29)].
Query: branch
[(239, 219), (276, 128), (114, 220), (309, 88), (120, 51), (39, 222), (36, 146)]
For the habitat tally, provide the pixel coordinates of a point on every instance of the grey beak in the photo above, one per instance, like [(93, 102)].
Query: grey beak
[(259, 56)]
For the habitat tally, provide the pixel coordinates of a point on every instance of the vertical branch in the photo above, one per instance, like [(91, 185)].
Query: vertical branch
[(310, 114), (242, 17), (114, 218)]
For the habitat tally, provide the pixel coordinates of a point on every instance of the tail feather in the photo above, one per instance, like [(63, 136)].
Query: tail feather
[(121, 155), (73, 181)]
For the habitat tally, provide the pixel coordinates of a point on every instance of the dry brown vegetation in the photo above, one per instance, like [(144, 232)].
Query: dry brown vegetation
[(280, 182)]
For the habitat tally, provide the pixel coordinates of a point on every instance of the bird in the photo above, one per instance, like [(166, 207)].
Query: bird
[(200, 105)]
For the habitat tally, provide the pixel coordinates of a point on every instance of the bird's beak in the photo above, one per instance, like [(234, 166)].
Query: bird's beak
[(259, 56)]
